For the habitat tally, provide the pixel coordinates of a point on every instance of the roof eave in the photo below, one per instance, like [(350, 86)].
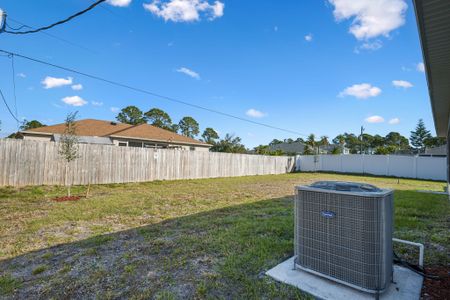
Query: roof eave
[(36, 132), (441, 126)]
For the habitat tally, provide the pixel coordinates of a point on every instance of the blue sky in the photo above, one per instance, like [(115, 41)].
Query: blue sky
[(322, 67)]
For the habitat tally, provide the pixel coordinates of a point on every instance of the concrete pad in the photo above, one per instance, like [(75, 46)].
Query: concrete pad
[(407, 284)]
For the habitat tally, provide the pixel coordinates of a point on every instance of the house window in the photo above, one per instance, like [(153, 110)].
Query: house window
[(192, 148), (135, 144), (123, 144)]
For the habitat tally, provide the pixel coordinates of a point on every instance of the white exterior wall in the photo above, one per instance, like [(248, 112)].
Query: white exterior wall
[(421, 167), (42, 138), (182, 146)]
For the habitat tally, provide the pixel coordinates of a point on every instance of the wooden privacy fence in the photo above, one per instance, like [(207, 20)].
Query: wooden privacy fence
[(24, 162)]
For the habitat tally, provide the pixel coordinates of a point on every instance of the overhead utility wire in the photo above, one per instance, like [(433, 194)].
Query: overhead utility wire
[(13, 69), (12, 28), (23, 25), (57, 23), (151, 93), (7, 106)]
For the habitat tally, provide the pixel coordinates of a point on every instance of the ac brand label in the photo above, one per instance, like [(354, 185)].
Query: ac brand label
[(327, 214)]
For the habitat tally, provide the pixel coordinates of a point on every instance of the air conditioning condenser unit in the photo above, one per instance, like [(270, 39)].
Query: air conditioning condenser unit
[(343, 232)]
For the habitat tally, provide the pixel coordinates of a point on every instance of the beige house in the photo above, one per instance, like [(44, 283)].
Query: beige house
[(92, 131)]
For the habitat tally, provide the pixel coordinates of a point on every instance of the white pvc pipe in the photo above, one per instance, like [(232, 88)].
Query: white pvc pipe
[(421, 248)]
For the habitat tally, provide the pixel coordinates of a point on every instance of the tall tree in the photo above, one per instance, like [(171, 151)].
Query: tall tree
[(340, 140), (26, 125), (159, 118), (377, 141), (307, 150), (131, 115), (434, 141), (397, 140), (352, 142), (311, 141), (275, 142), (323, 142), (68, 145), (419, 135), (288, 141), (174, 128), (229, 144), (210, 136), (188, 127)]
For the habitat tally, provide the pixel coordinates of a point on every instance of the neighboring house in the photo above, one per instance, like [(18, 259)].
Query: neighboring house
[(92, 131), (329, 149), (299, 148), (295, 147), (435, 151)]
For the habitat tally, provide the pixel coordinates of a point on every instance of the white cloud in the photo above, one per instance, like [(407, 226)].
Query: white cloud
[(188, 72), (370, 46), (74, 101), (77, 87), (309, 37), (254, 113), (420, 67), (394, 121), (96, 103), (361, 91), (114, 109), (185, 10), (119, 3), (371, 18), (405, 69), (53, 82), (22, 75), (374, 119), (402, 84)]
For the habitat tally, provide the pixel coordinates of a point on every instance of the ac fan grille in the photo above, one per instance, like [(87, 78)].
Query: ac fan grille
[(353, 246)]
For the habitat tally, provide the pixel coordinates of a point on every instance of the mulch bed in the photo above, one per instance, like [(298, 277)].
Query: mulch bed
[(67, 198), (437, 289)]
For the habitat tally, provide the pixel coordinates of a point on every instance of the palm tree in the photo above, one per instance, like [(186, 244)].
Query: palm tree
[(323, 142), (311, 141)]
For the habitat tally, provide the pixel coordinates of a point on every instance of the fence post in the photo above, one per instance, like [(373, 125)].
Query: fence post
[(362, 162), (415, 166), (388, 167)]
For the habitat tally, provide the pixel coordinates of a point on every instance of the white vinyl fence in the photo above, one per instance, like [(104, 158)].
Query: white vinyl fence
[(419, 167), (25, 162)]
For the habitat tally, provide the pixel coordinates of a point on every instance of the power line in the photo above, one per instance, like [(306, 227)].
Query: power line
[(57, 23), (12, 28), (23, 25), (151, 93), (7, 106), (13, 69)]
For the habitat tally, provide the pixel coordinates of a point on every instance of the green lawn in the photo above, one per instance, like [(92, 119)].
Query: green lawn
[(210, 238)]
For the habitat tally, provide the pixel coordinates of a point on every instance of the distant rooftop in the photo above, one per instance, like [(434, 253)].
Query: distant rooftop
[(100, 128)]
